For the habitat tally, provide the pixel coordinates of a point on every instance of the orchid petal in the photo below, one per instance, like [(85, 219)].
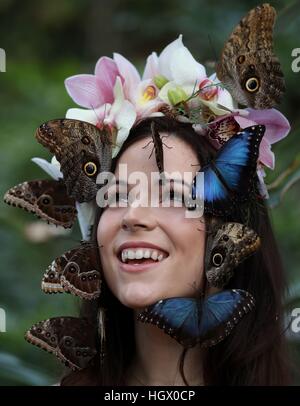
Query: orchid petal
[(166, 55), (85, 90), (151, 68), (86, 217), (266, 156), (129, 73), (106, 71), (90, 116), (50, 168), (185, 69)]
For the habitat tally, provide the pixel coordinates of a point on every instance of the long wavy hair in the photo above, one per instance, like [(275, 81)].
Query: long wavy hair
[(255, 353)]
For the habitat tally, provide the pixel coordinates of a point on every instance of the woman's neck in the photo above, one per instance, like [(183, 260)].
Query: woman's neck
[(157, 359)]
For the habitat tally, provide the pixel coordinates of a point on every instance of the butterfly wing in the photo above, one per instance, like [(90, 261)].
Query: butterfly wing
[(228, 246), (190, 321), (248, 67), (176, 316), (47, 199), (68, 338), (228, 179), (81, 275), (83, 151)]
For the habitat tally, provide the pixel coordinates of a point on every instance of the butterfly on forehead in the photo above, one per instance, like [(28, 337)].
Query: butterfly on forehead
[(76, 272), (48, 199), (229, 177), (83, 151), (158, 148), (68, 338), (248, 68), (227, 246), (193, 321)]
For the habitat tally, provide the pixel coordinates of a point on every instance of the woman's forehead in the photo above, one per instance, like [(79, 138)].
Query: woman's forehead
[(178, 155)]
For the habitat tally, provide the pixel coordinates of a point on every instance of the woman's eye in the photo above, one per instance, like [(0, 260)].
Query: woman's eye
[(173, 195)]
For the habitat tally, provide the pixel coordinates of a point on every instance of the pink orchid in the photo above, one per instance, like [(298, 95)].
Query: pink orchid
[(92, 91), (277, 128), (119, 116)]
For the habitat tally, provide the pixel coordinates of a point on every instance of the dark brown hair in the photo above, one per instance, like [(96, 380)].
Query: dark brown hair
[(255, 353)]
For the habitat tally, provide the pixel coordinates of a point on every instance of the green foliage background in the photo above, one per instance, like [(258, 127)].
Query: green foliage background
[(47, 41)]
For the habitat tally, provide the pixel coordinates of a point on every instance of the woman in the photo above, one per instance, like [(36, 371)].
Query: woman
[(142, 354)]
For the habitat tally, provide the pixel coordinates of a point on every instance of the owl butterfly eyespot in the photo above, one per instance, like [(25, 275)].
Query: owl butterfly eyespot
[(83, 151), (76, 272), (248, 66), (70, 339), (227, 247), (47, 199)]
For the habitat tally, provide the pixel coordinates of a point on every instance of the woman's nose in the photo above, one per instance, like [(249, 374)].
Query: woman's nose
[(137, 218)]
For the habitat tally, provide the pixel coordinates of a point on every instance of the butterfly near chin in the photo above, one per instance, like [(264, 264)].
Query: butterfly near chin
[(193, 321), (248, 67), (70, 339), (229, 178), (47, 199), (76, 272), (227, 247), (83, 151)]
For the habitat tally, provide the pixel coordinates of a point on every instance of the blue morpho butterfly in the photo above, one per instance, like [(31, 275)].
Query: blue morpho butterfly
[(228, 178), (191, 321)]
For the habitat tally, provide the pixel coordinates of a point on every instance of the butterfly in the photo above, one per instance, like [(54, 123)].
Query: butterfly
[(76, 272), (228, 178), (83, 151), (68, 338), (47, 199), (248, 66), (158, 148), (227, 246), (191, 321)]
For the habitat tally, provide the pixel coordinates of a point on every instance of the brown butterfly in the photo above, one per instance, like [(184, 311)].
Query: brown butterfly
[(76, 272), (228, 246), (48, 199), (248, 67), (83, 151), (68, 338)]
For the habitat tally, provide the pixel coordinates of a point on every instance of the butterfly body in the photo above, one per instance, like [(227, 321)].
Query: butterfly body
[(83, 151), (191, 321), (249, 68)]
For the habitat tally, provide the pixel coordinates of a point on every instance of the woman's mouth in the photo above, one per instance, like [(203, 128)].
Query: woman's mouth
[(140, 258)]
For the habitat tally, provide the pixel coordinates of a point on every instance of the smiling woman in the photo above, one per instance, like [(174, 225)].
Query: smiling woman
[(149, 254)]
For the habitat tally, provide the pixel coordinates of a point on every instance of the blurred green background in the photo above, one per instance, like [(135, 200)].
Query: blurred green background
[(47, 41)]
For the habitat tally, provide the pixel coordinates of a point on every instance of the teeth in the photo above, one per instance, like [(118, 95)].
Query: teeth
[(139, 253)]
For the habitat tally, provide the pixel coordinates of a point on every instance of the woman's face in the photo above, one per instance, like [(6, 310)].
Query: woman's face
[(180, 241)]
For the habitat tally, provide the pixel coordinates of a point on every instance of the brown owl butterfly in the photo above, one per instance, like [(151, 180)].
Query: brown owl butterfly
[(83, 151), (248, 67), (48, 199), (75, 272), (68, 338), (227, 247)]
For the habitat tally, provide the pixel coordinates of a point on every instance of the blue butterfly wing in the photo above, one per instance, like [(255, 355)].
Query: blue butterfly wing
[(191, 321), (228, 179)]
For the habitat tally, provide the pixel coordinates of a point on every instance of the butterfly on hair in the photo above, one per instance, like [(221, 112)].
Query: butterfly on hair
[(227, 246), (47, 199), (229, 178), (192, 321), (70, 339), (83, 151), (76, 271), (248, 67)]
